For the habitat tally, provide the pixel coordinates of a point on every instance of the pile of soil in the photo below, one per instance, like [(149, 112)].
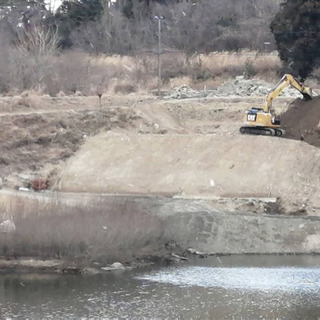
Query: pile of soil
[(198, 165), (302, 121)]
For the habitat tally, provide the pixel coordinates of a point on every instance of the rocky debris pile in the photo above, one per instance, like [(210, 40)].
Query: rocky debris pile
[(238, 87), (249, 87), (302, 121), (185, 92)]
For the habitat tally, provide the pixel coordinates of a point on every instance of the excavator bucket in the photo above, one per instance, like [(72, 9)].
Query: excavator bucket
[(307, 94)]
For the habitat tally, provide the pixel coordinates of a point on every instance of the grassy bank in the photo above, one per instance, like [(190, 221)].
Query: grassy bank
[(101, 232), (94, 230)]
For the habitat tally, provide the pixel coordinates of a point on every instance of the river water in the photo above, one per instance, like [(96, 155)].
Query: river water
[(227, 287)]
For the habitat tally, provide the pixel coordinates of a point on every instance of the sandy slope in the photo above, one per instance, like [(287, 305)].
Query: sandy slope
[(187, 147), (228, 165)]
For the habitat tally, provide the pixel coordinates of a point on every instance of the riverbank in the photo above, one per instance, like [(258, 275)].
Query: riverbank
[(140, 178), (75, 231)]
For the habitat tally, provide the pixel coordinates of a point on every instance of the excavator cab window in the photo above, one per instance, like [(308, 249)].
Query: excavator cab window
[(276, 120), (256, 110)]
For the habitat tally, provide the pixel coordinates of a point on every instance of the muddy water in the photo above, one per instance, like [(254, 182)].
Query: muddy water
[(228, 287)]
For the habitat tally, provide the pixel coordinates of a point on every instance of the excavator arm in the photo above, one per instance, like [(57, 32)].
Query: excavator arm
[(286, 80)]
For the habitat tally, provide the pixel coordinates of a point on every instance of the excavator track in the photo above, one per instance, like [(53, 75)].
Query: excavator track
[(262, 131)]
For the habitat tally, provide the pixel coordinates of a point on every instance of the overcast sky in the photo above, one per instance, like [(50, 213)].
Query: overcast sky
[(54, 4)]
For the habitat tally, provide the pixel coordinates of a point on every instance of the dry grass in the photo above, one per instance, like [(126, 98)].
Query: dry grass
[(179, 81), (29, 99), (32, 140), (226, 64), (198, 71), (103, 232), (78, 73)]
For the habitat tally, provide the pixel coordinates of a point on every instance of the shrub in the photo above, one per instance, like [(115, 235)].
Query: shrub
[(249, 69)]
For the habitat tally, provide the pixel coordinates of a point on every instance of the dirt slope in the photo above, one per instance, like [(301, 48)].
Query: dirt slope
[(302, 121), (190, 147), (211, 165), (43, 131)]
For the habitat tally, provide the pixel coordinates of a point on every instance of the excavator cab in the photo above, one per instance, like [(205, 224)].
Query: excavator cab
[(262, 121)]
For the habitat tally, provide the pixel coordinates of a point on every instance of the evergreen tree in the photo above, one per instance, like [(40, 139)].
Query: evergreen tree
[(296, 29), (72, 14)]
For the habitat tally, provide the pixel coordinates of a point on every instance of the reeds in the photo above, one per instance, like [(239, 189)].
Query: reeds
[(79, 73)]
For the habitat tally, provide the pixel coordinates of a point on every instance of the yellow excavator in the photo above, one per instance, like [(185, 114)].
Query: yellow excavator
[(262, 121)]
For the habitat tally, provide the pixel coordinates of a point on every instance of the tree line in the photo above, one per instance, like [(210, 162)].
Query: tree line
[(31, 34), (128, 26)]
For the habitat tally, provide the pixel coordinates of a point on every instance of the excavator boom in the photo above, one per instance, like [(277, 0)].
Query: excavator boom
[(286, 81)]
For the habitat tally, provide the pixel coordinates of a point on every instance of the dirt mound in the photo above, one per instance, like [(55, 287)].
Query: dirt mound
[(302, 121), (206, 165)]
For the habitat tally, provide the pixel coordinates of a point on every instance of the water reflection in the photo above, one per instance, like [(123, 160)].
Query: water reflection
[(224, 288), (293, 280)]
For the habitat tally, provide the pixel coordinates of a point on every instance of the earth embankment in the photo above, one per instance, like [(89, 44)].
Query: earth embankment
[(95, 229), (302, 121), (186, 152), (207, 165)]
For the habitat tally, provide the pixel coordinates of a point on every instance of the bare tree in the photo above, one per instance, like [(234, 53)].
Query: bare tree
[(38, 40)]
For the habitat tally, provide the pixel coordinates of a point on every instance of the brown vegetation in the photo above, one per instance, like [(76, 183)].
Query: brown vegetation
[(73, 72), (33, 55), (99, 233), (38, 137)]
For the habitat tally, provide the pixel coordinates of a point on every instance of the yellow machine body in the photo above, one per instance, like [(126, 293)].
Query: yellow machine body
[(260, 119)]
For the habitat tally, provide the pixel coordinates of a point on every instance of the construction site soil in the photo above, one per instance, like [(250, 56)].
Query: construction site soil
[(139, 144), (302, 121)]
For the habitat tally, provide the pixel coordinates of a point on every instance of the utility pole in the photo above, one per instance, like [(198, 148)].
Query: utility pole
[(159, 18)]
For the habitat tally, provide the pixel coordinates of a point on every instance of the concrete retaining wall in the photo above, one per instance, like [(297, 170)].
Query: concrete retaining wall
[(89, 224)]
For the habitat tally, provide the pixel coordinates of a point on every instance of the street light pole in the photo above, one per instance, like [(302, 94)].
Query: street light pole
[(159, 18)]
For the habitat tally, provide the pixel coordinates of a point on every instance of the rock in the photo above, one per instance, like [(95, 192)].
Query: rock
[(195, 252), (23, 189), (1, 183), (117, 265), (183, 92), (114, 266), (7, 226), (179, 257), (90, 271), (236, 87)]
